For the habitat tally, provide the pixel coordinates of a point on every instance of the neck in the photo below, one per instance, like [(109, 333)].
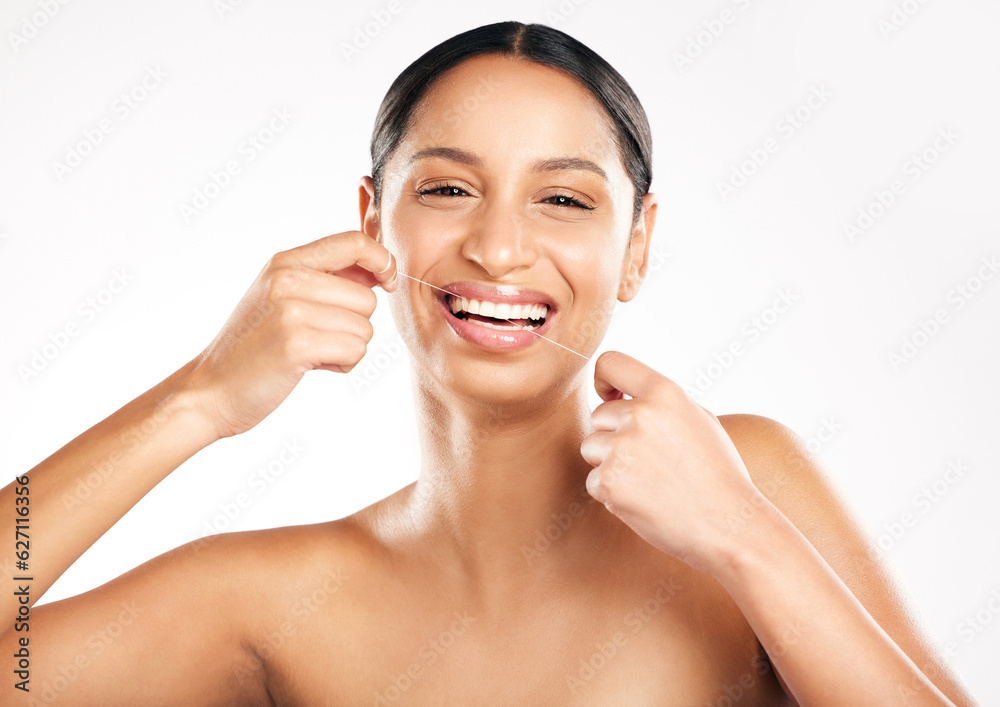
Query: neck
[(502, 485)]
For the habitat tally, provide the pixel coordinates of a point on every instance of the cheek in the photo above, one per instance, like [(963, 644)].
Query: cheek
[(591, 265), (593, 274), (417, 238)]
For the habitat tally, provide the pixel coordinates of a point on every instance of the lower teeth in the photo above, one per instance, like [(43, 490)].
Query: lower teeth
[(529, 327)]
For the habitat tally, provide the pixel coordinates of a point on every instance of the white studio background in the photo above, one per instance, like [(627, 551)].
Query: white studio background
[(884, 91)]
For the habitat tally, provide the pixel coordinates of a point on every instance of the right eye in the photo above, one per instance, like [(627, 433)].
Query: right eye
[(443, 190)]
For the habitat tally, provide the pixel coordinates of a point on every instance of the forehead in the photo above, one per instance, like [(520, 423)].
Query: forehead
[(515, 111)]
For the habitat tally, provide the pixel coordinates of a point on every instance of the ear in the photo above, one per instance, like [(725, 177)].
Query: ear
[(366, 205), (637, 256)]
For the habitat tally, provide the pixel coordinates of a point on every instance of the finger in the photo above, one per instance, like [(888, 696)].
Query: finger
[(345, 250), (329, 290), (389, 269), (332, 319), (616, 373), (308, 285), (334, 351), (594, 487), (611, 415), (596, 447), (358, 274)]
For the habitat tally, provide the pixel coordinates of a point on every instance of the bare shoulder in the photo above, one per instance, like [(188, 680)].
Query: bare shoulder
[(191, 625), (280, 569), (785, 471), (794, 480)]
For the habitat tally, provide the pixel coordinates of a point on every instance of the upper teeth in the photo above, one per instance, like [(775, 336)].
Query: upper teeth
[(497, 310)]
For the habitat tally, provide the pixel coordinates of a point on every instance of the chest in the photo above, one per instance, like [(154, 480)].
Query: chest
[(667, 645)]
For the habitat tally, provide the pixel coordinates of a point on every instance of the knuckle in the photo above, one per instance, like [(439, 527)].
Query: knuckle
[(284, 281), (281, 259), (367, 331), (357, 346), (610, 472), (358, 239), (295, 348), (291, 313), (368, 302), (664, 387)]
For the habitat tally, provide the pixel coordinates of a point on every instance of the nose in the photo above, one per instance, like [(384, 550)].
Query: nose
[(500, 240)]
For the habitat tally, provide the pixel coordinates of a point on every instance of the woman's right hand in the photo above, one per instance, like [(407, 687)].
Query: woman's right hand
[(309, 308)]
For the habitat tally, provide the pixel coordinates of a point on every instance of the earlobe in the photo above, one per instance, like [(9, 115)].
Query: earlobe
[(366, 207)]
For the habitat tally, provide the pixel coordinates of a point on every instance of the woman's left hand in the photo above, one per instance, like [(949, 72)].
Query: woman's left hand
[(664, 464)]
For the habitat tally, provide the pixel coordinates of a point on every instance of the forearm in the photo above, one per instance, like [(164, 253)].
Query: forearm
[(76, 494), (822, 641)]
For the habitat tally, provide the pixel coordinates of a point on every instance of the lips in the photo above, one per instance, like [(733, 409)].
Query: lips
[(503, 318)]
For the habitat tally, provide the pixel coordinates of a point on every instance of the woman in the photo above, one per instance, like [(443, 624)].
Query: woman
[(643, 553)]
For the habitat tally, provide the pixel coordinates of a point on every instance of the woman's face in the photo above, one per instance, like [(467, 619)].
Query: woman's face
[(508, 190)]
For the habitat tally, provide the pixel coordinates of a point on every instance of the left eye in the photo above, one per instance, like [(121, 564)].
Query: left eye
[(563, 200)]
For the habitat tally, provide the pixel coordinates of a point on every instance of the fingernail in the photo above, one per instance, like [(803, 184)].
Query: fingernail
[(388, 265)]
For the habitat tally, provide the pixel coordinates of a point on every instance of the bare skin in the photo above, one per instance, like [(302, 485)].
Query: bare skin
[(644, 553)]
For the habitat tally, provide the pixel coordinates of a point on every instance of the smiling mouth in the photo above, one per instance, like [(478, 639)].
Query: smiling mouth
[(497, 315)]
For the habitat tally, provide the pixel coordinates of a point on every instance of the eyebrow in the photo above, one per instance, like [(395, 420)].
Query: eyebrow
[(554, 164)]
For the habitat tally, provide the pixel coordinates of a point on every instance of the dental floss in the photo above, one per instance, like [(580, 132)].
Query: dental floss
[(505, 320)]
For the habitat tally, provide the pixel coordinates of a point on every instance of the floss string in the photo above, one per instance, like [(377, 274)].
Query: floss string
[(505, 320)]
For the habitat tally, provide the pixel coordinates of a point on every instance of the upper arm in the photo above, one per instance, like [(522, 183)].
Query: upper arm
[(170, 631), (784, 470)]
